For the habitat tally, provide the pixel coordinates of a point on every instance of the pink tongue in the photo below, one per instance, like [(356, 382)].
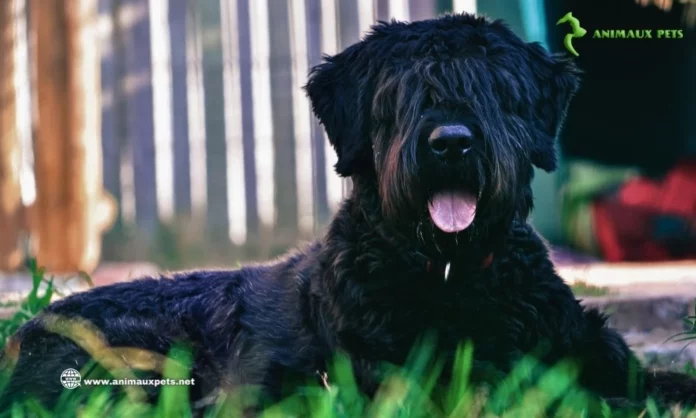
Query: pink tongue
[(453, 211)]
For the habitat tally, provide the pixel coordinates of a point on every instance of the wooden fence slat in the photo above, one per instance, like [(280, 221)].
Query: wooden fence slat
[(286, 226), (330, 43), (196, 113), (264, 154), (70, 210), (134, 17), (348, 24), (469, 6), (302, 116), (113, 130), (215, 146), (314, 52), (348, 34), (178, 17), (162, 108), (236, 187), (382, 9), (110, 60), (248, 129), (366, 16), (422, 9), (10, 148), (399, 10)]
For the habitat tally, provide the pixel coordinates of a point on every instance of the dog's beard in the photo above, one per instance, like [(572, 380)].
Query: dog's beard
[(450, 210), (434, 207), (454, 192)]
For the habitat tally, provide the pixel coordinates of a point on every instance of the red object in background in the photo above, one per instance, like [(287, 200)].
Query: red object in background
[(649, 220)]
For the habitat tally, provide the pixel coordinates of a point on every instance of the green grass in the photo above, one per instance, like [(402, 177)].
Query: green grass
[(409, 391), (30, 306)]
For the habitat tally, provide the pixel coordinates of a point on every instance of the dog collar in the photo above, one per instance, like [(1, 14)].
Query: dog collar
[(443, 268)]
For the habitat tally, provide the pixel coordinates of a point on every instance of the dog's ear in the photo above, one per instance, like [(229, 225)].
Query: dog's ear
[(339, 96), (557, 80)]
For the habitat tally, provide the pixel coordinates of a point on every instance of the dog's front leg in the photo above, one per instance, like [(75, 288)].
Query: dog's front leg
[(368, 375), (608, 366), (671, 387), (611, 369)]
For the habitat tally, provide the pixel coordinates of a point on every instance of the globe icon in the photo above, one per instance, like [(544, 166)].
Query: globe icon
[(70, 378)]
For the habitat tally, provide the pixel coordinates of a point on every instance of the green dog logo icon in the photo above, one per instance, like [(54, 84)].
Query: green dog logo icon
[(577, 32)]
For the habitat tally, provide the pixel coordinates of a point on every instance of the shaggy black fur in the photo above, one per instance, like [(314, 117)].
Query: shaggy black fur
[(375, 282)]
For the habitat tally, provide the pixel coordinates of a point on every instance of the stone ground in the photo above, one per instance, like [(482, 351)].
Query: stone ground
[(648, 302)]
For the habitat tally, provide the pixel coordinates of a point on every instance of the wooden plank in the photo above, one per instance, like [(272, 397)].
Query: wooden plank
[(382, 9), (302, 117), (399, 10), (213, 87), (330, 43), (113, 112), (178, 19), (349, 24), (71, 211), (110, 87), (629, 273), (134, 18), (349, 32), (10, 148), (314, 51), (248, 129), (284, 173), (236, 187), (469, 6), (196, 113), (263, 130), (422, 9), (404, 10), (161, 79)]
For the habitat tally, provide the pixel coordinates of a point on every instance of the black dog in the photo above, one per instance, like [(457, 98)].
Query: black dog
[(439, 124)]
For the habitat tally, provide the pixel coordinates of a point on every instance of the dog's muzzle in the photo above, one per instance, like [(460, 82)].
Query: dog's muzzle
[(452, 210)]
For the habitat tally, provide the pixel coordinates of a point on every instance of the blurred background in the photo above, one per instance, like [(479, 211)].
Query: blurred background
[(175, 132)]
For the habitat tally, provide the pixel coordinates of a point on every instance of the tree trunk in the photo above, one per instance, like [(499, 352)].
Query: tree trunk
[(71, 209), (10, 156)]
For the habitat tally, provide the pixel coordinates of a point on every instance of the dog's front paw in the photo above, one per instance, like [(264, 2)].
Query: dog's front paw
[(672, 388)]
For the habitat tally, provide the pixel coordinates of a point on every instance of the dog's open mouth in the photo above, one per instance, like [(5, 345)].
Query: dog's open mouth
[(452, 210)]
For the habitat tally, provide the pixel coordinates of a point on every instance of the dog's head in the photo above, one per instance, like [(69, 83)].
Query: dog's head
[(449, 116)]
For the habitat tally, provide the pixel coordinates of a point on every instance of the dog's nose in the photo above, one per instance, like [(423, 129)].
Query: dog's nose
[(450, 141)]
